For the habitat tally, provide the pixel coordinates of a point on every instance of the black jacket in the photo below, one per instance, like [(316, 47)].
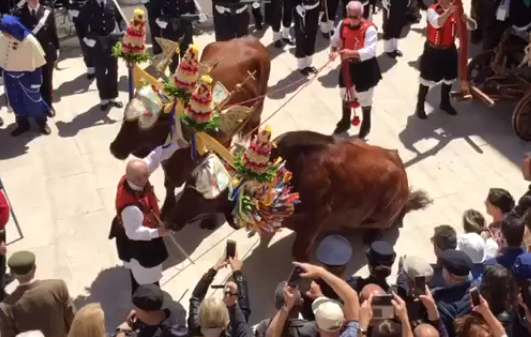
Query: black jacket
[(294, 328), (100, 24), (239, 314), (452, 302), (47, 34)]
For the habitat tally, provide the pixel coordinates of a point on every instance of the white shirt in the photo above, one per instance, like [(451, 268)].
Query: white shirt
[(34, 10), (133, 218), (433, 18), (371, 39)]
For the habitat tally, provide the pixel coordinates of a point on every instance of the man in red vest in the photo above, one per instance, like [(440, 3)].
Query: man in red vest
[(355, 41), (137, 227), (438, 62)]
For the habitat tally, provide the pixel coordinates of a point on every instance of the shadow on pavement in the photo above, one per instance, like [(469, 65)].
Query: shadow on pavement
[(112, 289), (18, 146), (78, 85), (94, 116), (287, 85)]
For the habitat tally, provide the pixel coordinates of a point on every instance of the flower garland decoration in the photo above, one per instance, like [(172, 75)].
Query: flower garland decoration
[(132, 49)]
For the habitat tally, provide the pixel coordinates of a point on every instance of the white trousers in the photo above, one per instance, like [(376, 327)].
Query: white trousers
[(364, 97), (144, 275)]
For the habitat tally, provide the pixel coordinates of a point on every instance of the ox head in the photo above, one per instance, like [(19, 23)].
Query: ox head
[(206, 192), (146, 125)]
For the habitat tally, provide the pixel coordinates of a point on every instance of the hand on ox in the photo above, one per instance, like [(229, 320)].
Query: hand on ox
[(89, 42), (161, 24)]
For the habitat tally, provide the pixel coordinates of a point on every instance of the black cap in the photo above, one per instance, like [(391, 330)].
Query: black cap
[(334, 251), (150, 297), (21, 263), (381, 253), (456, 262)]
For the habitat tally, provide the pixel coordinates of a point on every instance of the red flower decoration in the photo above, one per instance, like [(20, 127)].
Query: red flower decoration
[(356, 121)]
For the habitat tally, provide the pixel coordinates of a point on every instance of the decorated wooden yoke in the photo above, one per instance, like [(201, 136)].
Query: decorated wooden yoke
[(260, 189)]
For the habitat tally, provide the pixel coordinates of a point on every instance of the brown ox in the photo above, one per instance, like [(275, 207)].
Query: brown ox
[(236, 59), (342, 185)]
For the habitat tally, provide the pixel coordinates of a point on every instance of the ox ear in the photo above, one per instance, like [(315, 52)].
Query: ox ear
[(233, 119)]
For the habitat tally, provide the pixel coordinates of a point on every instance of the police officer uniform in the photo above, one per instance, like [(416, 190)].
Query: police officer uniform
[(394, 19), (167, 15), (380, 253), (256, 9), (100, 22), (231, 19), (41, 21), (74, 6), (306, 18), (280, 11), (6, 6), (154, 29), (334, 253)]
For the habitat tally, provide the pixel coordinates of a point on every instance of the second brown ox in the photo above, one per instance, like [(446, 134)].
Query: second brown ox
[(236, 59), (342, 185)]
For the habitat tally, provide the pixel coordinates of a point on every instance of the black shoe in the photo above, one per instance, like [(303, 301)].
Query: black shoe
[(365, 127), (117, 104), (1, 122), (51, 112), (311, 70), (344, 123), (421, 113), (258, 25), (45, 129), (90, 77), (105, 106), (289, 40), (398, 53), (278, 44), (342, 126), (421, 99), (445, 105), (391, 54), (304, 71), (19, 130)]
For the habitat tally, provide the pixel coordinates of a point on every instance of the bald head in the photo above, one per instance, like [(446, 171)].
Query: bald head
[(370, 289), (354, 9), (137, 172), (425, 330)]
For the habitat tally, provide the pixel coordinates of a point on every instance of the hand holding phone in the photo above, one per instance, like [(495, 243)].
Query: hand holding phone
[(230, 250), (382, 306), (420, 286), (474, 297)]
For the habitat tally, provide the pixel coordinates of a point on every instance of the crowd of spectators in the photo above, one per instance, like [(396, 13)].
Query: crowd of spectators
[(478, 286)]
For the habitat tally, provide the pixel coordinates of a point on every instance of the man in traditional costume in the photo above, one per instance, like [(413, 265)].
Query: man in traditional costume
[(20, 69), (355, 40), (137, 227), (100, 23), (439, 61), (231, 19), (41, 21), (394, 19), (306, 18), (74, 6)]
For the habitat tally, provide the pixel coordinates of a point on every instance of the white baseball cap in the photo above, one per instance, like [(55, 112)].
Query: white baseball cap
[(329, 314), (473, 245)]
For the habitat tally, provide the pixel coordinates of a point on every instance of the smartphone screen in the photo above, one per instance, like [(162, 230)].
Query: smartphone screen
[(295, 277), (231, 249), (420, 286), (382, 308), (474, 296)]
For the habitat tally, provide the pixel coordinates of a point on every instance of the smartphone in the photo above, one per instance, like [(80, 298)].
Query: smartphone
[(295, 277), (231, 249), (474, 296), (420, 286), (382, 308)]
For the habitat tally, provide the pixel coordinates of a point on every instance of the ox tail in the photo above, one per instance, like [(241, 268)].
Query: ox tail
[(418, 199)]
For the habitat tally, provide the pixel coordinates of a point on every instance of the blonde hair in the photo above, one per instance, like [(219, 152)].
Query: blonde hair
[(213, 314), (88, 322)]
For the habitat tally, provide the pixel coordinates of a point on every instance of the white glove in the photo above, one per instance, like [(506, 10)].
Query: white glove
[(35, 86), (144, 1), (89, 42), (57, 53), (161, 24), (256, 5), (300, 10), (73, 13), (202, 17), (386, 4)]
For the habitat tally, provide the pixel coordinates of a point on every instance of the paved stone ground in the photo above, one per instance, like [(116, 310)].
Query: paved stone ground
[(62, 187)]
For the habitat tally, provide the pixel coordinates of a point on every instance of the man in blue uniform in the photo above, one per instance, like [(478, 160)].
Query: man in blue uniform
[(20, 69), (100, 22), (74, 7)]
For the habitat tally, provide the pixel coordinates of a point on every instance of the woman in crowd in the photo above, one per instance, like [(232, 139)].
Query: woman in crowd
[(474, 222), (89, 322), (497, 287), (481, 323), (499, 202)]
